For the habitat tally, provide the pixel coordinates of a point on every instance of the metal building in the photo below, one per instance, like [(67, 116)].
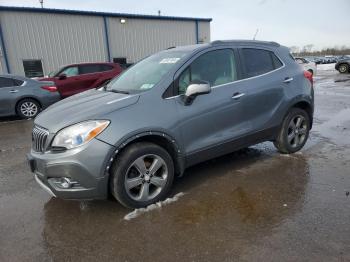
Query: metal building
[(36, 41)]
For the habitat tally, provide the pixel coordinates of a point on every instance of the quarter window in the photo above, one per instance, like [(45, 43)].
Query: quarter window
[(259, 61), (216, 67)]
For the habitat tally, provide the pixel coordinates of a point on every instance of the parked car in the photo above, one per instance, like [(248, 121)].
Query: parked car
[(25, 97), (174, 109), (343, 66), (307, 65), (76, 78)]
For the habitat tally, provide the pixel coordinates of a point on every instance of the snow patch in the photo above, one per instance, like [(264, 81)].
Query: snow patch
[(140, 211)]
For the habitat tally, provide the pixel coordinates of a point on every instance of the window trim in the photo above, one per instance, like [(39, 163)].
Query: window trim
[(260, 48), (240, 67)]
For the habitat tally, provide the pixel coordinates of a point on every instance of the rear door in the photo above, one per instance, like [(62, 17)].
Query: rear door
[(263, 85), (9, 91), (90, 75)]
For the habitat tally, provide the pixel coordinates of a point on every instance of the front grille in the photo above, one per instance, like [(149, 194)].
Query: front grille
[(39, 139)]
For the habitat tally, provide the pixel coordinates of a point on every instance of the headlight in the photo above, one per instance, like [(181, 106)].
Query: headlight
[(79, 134)]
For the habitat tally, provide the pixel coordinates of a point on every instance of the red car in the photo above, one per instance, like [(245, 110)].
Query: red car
[(76, 78)]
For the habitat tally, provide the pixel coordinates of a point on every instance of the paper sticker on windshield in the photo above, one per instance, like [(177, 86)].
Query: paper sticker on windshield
[(171, 60), (146, 86)]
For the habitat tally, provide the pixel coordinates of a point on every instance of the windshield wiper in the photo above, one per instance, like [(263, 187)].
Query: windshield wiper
[(118, 91)]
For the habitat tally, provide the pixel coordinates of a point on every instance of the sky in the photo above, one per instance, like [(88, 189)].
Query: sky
[(322, 23)]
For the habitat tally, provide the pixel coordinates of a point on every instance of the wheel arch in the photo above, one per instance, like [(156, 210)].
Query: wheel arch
[(305, 106), (159, 138)]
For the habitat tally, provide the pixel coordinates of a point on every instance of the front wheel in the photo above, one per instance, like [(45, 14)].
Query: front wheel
[(294, 131), (142, 175)]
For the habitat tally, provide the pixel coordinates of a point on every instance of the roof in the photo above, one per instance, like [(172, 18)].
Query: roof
[(93, 13), (245, 42)]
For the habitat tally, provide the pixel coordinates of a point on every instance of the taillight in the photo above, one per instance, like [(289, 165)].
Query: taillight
[(308, 75), (50, 88)]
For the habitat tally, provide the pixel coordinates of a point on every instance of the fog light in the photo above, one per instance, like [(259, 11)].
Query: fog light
[(62, 182)]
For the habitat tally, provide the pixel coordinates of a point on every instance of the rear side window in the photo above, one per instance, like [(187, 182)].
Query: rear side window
[(88, 69), (6, 82), (259, 61), (105, 68), (216, 67)]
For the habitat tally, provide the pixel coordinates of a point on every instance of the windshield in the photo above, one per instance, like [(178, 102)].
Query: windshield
[(146, 73)]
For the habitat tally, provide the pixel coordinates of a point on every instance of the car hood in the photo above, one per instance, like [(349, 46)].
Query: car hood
[(92, 104)]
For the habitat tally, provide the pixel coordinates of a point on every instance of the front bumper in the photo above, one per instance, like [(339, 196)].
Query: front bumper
[(84, 166)]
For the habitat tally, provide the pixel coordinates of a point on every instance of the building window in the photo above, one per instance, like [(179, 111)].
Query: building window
[(119, 60), (33, 68)]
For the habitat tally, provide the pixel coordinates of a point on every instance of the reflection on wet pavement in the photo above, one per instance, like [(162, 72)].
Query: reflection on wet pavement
[(254, 204)]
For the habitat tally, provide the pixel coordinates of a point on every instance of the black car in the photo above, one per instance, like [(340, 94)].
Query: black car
[(343, 66)]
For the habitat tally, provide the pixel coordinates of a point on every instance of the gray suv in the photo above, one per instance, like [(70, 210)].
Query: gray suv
[(173, 109)]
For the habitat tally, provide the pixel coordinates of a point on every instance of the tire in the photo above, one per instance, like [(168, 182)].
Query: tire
[(28, 108), (291, 138), (343, 68), (133, 168)]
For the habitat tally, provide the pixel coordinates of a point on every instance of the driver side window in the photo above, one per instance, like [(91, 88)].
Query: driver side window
[(216, 67), (70, 71)]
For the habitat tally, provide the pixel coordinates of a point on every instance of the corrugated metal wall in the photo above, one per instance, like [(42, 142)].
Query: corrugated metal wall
[(57, 39), (138, 38), (204, 32)]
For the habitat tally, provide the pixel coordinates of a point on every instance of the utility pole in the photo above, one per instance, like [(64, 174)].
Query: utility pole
[(257, 30), (159, 12), (42, 3)]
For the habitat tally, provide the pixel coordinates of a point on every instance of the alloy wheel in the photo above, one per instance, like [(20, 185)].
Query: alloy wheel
[(343, 69), (297, 131), (146, 177), (29, 109)]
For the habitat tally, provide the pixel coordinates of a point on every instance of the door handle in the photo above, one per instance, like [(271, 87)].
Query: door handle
[(288, 80), (13, 91), (237, 95)]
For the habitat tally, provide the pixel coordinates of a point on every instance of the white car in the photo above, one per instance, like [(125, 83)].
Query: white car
[(307, 65)]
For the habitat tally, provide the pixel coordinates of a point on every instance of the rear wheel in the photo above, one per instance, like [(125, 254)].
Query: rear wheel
[(343, 68), (28, 108), (294, 131), (142, 175)]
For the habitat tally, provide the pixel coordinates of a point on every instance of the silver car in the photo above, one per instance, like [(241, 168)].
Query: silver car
[(25, 97), (173, 109)]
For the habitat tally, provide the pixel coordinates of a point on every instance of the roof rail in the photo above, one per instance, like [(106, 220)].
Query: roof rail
[(245, 42)]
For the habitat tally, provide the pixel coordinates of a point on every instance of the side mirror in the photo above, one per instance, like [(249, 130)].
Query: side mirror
[(62, 76), (195, 89)]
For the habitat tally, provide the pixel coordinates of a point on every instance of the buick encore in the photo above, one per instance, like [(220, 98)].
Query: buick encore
[(171, 110)]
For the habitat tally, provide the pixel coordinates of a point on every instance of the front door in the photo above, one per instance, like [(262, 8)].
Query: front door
[(68, 81), (213, 119)]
